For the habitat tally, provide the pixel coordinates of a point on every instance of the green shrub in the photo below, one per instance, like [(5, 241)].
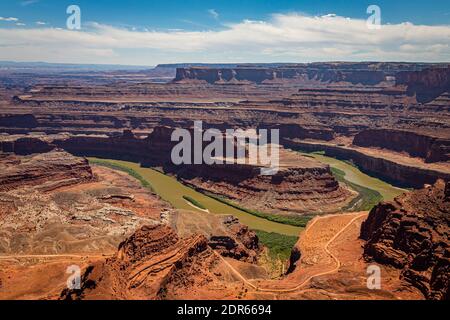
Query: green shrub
[(283, 219), (279, 245), (366, 199)]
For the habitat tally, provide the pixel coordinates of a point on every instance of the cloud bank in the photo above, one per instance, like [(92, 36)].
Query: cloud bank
[(284, 38)]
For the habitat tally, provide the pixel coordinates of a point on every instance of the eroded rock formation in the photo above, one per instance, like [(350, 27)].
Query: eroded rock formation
[(426, 84), (241, 243), (300, 186), (146, 264), (362, 73), (431, 149), (46, 170), (55, 203), (398, 170), (412, 233)]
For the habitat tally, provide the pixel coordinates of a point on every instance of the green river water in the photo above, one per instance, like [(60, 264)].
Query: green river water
[(171, 190), (353, 174)]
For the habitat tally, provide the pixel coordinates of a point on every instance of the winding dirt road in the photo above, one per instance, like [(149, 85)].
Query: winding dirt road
[(306, 281)]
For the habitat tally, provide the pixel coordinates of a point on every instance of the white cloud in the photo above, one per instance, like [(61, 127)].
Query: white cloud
[(213, 13), (9, 19), (20, 24), (41, 23), (28, 2), (286, 37)]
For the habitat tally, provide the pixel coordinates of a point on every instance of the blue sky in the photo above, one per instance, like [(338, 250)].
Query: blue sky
[(209, 31), (195, 15)]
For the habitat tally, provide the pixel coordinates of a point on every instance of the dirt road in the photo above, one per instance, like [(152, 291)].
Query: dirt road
[(326, 249)]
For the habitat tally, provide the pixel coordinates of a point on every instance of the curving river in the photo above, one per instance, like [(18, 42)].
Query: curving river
[(173, 191), (353, 174)]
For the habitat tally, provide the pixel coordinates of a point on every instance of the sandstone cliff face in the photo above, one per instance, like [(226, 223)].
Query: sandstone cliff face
[(121, 148), (25, 146), (146, 264), (45, 171), (362, 73), (225, 234), (151, 151), (247, 75), (291, 190), (412, 233), (400, 174), (19, 121), (429, 148), (426, 84), (300, 132), (241, 243)]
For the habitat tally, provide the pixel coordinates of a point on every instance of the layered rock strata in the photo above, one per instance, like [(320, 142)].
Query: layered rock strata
[(362, 73), (300, 186), (429, 148), (146, 263), (47, 171), (412, 233), (398, 172)]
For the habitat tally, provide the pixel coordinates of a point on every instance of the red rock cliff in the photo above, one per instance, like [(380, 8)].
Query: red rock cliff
[(431, 149), (426, 84), (46, 171), (412, 233)]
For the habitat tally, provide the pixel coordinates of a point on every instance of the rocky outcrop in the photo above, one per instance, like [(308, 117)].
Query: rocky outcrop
[(426, 84), (241, 243), (154, 150), (302, 132), (52, 203), (46, 171), (26, 146), (259, 75), (430, 148), (301, 185), (412, 233), (119, 147), (225, 234), (146, 263)]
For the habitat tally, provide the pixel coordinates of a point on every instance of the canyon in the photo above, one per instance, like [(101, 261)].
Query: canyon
[(300, 185), (390, 120)]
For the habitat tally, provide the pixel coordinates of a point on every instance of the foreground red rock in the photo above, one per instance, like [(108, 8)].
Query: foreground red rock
[(412, 233), (239, 242), (146, 263)]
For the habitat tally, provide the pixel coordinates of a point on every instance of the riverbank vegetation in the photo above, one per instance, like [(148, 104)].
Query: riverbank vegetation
[(279, 245), (119, 167), (297, 221), (366, 199), (194, 202)]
